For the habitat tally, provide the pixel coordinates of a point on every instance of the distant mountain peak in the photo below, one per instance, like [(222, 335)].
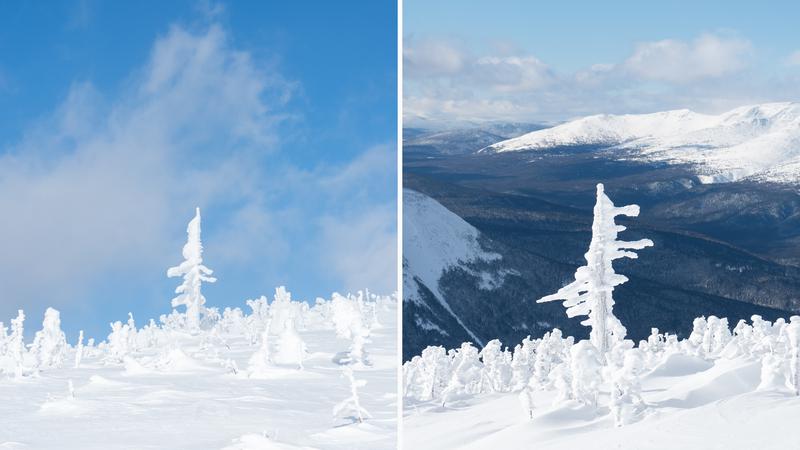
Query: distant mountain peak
[(757, 141)]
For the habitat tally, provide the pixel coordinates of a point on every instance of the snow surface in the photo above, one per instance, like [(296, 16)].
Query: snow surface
[(692, 404), (761, 141), (194, 400), (434, 240)]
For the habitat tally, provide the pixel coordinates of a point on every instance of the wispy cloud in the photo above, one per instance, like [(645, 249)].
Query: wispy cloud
[(709, 72), (672, 60), (793, 59)]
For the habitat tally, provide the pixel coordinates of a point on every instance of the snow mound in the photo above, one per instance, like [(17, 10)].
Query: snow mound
[(261, 442), (679, 365)]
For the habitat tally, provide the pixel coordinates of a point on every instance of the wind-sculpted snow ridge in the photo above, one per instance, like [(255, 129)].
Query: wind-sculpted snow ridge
[(266, 378), (760, 142)]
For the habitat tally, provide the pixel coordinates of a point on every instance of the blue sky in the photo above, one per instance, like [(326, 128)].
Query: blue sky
[(277, 119), (548, 61)]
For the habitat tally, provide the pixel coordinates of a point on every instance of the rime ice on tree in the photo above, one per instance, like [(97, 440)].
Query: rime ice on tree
[(591, 292), (194, 273), (351, 407)]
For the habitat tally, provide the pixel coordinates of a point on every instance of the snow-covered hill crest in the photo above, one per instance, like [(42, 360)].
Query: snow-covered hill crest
[(761, 141), (435, 240)]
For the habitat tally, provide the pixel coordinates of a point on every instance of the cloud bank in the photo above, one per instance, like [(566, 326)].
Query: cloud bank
[(445, 82)]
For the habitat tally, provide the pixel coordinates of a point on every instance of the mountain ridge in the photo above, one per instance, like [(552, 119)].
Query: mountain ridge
[(759, 142)]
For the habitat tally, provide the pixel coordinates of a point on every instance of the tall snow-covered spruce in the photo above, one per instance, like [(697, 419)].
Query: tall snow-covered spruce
[(194, 273), (591, 292)]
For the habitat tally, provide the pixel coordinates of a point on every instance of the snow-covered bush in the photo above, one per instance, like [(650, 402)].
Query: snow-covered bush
[(259, 362), (585, 369), (194, 274), (626, 399), (49, 348), (349, 322), (12, 358), (283, 310), (591, 292), (291, 350), (465, 377), (496, 375), (793, 337)]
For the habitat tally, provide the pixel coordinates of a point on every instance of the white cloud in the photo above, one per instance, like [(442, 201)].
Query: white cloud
[(362, 248), (707, 56), (793, 59), (441, 59), (431, 57), (103, 187), (511, 73)]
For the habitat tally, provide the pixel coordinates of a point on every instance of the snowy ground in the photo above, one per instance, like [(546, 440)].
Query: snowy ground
[(198, 403), (692, 404)]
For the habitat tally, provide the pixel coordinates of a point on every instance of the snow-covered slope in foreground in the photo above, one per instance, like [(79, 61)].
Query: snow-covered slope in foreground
[(761, 141), (434, 240), (692, 404), (207, 390)]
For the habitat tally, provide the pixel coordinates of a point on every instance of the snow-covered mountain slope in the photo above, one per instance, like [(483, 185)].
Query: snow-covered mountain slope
[(163, 387), (761, 142), (435, 240)]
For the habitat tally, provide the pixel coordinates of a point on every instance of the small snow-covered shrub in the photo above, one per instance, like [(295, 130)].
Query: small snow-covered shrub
[(351, 407), (291, 350), (49, 347)]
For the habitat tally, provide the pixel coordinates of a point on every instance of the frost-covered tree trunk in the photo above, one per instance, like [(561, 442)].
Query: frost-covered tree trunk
[(194, 274), (591, 292)]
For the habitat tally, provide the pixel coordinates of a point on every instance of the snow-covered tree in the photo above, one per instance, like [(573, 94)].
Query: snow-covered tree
[(526, 401), (466, 374), (435, 367), (626, 388), (49, 346), (591, 292), (260, 360), (16, 343), (291, 350), (793, 337), (550, 351), (561, 379), (194, 274), (349, 321), (522, 363), (351, 406), (79, 350), (496, 367), (585, 368)]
